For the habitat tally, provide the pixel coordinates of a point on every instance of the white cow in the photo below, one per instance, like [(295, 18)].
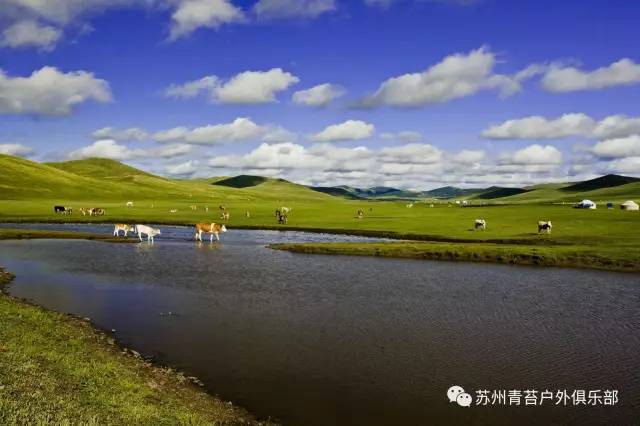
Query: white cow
[(122, 227), (410, 205), (148, 231), (129, 203), (480, 224), (285, 210)]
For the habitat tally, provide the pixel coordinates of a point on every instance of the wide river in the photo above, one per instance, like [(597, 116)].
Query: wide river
[(331, 340)]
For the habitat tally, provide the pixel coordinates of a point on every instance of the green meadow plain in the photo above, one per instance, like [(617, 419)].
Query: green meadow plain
[(58, 369), (602, 238)]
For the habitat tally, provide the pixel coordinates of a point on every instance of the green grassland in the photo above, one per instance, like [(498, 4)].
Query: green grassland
[(59, 370), (27, 192)]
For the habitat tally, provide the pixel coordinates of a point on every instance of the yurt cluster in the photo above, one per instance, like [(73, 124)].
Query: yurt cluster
[(588, 204)]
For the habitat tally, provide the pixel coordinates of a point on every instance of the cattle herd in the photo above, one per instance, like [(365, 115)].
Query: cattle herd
[(92, 211), (215, 229)]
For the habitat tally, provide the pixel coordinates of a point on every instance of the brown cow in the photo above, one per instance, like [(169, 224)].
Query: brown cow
[(211, 228)]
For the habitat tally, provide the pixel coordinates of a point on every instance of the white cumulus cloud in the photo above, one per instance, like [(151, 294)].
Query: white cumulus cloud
[(350, 130), (533, 155), (283, 9), (537, 127), (16, 149), (241, 129), (630, 165), (318, 96), (186, 168), (191, 89), (413, 153), (249, 87), (469, 156), (570, 79), (617, 126), (409, 136), (567, 125), (50, 92), (130, 134), (173, 150), (191, 15), (29, 33), (618, 148), (107, 148), (456, 76)]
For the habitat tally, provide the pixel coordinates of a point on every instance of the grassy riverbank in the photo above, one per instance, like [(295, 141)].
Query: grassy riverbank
[(32, 234), (56, 369), (612, 259), (602, 238)]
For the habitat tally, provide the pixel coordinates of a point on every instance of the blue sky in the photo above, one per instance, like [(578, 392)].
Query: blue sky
[(409, 93)]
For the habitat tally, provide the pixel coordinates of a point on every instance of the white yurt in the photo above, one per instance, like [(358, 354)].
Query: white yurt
[(629, 205), (586, 204)]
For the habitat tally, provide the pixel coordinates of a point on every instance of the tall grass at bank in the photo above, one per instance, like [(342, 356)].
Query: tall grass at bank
[(59, 370)]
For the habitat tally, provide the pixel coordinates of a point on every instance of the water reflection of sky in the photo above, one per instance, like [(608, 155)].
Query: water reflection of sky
[(186, 233), (319, 340)]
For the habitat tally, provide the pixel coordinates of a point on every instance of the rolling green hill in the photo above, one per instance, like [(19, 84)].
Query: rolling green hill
[(608, 181), (499, 192), (337, 191), (241, 181), (101, 179), (100, 168), (22, 178), (107, 180), (451, 192)]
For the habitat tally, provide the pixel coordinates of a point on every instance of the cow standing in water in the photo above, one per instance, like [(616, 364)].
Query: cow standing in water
[(148, 231), (209, 228), (123, 227)]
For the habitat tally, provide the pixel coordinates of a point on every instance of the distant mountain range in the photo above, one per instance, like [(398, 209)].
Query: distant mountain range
[(102, 179), (490, 193)]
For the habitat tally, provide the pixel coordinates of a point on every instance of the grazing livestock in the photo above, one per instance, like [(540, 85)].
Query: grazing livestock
[(410, 205), (173, 211), (122, 227), (360, 214), (282, 217), (148, 231), (129, 203), (96, 211), (210, 228), (193, 207), (222, 207), (544, 226), (247, 215), (62, 209), (225, 216), (285, 210), (480, 224)]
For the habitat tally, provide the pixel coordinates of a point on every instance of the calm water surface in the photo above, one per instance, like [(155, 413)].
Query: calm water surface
[(323, 340)]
